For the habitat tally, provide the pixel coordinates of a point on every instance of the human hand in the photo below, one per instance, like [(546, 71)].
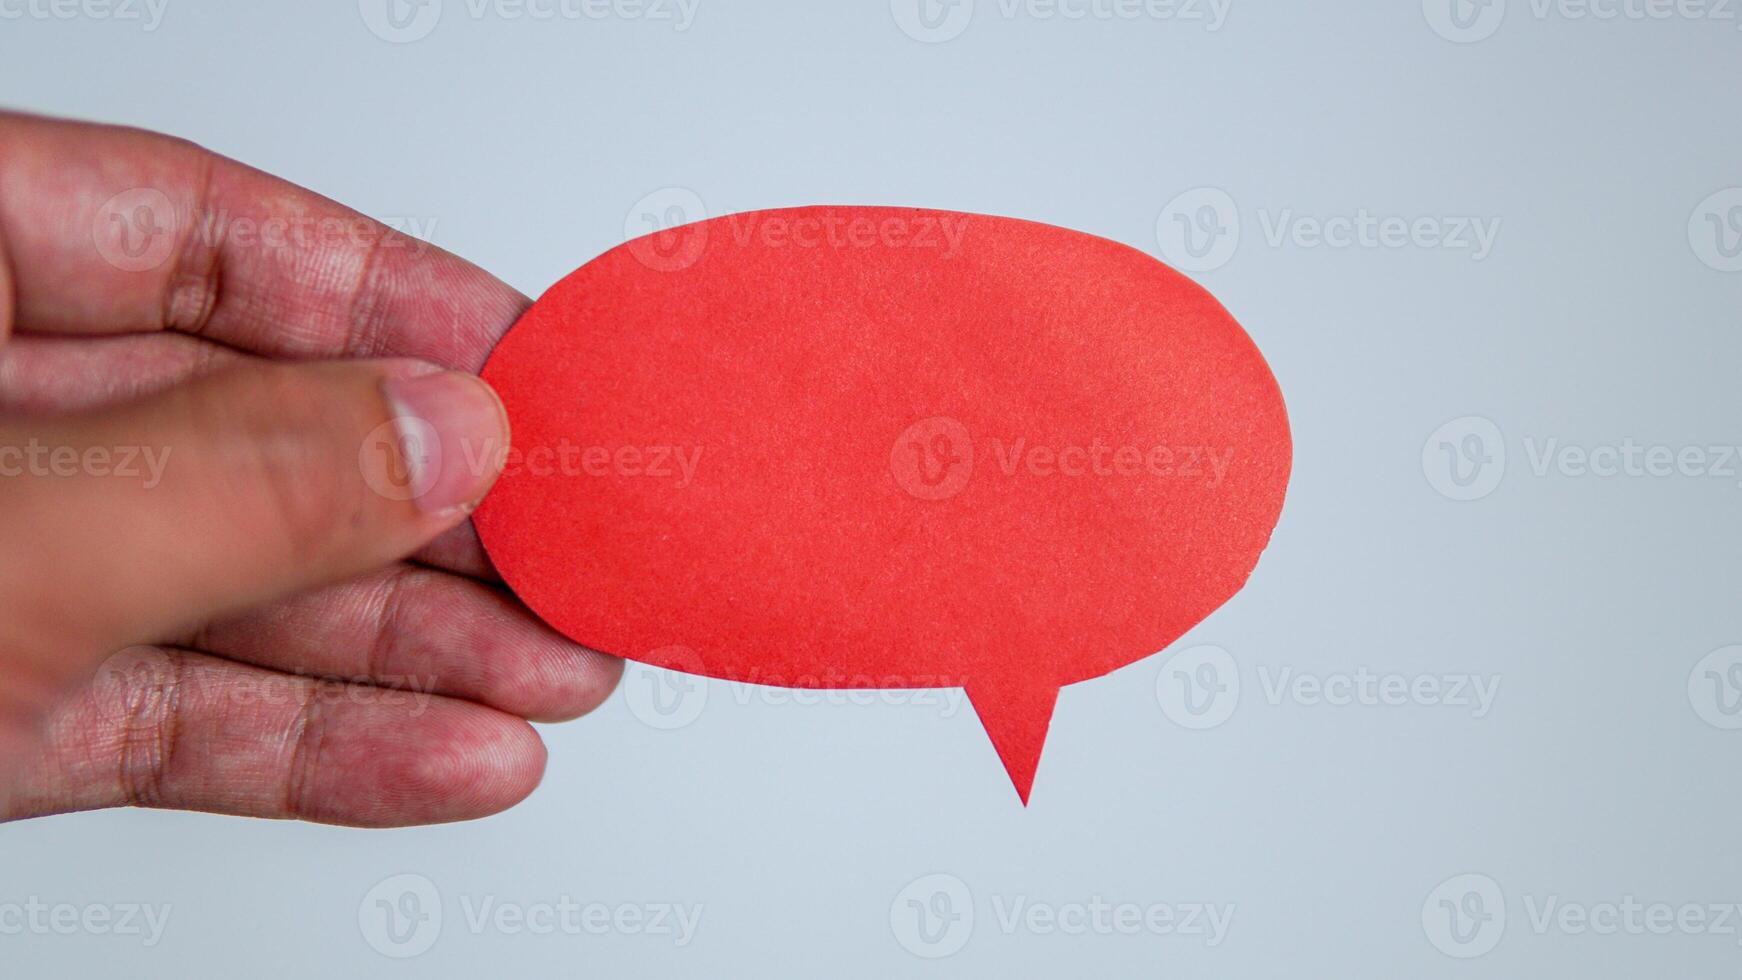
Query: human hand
[(207, 377)]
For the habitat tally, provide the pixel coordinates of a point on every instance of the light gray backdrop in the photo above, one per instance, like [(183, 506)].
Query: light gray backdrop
[(1477, 713)]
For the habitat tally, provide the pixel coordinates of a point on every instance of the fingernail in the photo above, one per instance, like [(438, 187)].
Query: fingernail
[(453, 434)]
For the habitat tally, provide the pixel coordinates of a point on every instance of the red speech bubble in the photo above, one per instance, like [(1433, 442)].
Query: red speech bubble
[(834, 447)]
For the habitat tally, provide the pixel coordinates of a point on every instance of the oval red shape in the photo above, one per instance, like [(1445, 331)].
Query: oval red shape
[(853, 446)]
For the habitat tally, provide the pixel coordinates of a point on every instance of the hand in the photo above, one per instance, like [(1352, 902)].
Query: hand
[(207, 378)]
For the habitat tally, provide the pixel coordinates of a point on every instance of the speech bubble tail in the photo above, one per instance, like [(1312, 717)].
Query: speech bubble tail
[(1016, 719)]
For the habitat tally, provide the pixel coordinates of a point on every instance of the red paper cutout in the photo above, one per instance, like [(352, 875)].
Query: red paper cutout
[(837, 447)]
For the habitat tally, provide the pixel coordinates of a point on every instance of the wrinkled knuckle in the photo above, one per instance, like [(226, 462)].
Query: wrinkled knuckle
[(148, 688)]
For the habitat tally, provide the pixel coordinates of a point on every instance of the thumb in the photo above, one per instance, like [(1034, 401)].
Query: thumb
[(231, 490)]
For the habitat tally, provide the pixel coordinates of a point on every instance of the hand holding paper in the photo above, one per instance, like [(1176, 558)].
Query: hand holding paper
[(876, 447)]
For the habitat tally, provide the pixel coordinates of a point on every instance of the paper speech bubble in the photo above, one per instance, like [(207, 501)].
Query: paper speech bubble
[(834, 447)]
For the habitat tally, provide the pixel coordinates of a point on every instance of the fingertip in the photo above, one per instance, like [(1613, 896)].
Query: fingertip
[(452, 435), (481, 767), (454, 761), (579, 683)]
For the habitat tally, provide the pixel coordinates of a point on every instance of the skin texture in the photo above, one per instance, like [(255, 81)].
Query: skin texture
[(260, 630)]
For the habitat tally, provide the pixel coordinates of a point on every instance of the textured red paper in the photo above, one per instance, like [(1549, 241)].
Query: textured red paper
[(837, 447)]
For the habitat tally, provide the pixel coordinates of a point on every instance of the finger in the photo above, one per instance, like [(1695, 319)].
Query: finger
[(46, 374), (459, 551), (174, 729), (246, 486), (414, 629), (112, 230)]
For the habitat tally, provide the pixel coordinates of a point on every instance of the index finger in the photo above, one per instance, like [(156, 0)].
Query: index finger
[(112, 230)]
